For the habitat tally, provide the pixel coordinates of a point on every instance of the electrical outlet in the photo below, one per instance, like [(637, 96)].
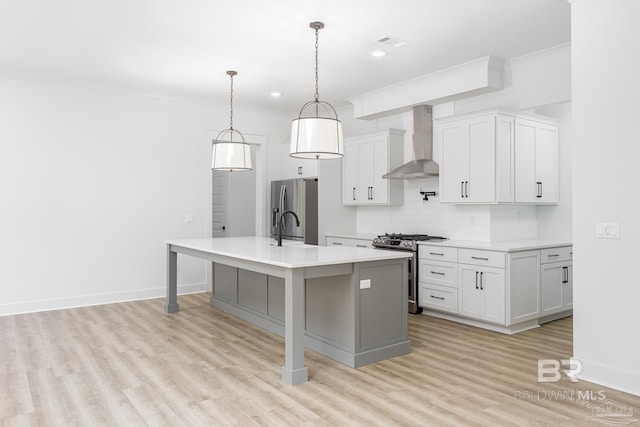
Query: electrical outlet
[(365, 284), (607, 230)]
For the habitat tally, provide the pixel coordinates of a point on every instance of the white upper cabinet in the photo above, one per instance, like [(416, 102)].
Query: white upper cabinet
[(476, 158), (497, 156), (294, 167), (536, 162), (366, 159)]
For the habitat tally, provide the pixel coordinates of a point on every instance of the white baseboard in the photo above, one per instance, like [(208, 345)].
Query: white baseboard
[(98, 299), (609, 376)]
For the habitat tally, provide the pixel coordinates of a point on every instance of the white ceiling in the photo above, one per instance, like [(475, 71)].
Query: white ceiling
[(182, 48)]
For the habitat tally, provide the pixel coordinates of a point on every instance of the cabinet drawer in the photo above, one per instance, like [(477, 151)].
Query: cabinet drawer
[(440, 273), (438, 298), (438, 253), (484, 258), (344, 241), (564, 253)]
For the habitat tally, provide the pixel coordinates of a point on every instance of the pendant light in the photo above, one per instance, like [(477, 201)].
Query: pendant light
[(317, 132), (230, 151)]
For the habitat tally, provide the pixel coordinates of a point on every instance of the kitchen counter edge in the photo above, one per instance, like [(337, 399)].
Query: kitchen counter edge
[(507, 246)]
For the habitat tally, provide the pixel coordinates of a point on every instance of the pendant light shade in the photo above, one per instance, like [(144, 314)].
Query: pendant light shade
[(230, 150), (317, 132)]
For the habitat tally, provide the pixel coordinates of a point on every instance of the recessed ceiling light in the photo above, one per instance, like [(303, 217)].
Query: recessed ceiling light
[(276, 94), (378, 53)]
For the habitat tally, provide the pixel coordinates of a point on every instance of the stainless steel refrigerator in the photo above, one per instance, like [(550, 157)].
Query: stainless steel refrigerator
[(300, 196)]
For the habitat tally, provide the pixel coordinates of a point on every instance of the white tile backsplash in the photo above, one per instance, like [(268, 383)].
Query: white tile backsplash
[(460, 222)]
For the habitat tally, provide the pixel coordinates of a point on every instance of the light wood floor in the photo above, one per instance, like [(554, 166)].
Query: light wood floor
[(130, 364)]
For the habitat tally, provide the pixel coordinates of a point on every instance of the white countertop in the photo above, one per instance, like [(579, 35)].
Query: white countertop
[(289, 255), (507, 246), (359, 236)]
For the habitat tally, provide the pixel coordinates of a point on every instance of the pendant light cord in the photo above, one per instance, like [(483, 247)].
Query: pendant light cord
[(231, 105), (317, 96)]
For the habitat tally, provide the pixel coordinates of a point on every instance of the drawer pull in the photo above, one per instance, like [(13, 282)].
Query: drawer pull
[(480, 258), (337, 243), (437, 272), (435, 297), (435, 253), (551, 255), (361, 246)]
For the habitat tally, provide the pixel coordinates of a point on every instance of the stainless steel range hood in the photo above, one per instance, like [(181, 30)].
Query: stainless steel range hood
[(422, 164)]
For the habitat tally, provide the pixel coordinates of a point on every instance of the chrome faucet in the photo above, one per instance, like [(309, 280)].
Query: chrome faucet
[(281, 224)]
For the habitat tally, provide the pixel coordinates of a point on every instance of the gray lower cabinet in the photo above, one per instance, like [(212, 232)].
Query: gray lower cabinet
[(275, 298), (225, 282), (252, 290), (342, 321), (381, 308)]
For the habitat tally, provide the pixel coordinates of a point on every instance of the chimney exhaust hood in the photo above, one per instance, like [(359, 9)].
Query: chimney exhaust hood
[(422, 164)]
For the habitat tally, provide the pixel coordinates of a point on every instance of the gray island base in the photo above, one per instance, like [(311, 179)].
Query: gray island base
[(346, 303)]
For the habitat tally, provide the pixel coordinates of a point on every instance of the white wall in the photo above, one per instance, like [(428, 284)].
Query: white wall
[(534, 80), (605, 74), (92, 182)]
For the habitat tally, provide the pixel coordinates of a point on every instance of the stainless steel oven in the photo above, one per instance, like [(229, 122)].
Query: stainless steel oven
[(407, 242)]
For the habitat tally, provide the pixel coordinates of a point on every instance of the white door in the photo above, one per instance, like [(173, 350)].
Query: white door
[(567, 288), (470, 303), (482, 160), (350, 174), (219, 184), (365, 171), (526, 187), (551, 288), (492, 283), (454, 166), (546, 166), (233, 202), (379, 191)]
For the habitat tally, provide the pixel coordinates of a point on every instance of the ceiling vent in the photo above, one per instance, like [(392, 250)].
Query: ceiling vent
[(391, 41)]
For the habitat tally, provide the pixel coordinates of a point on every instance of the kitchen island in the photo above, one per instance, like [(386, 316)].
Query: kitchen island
[(346, 303)]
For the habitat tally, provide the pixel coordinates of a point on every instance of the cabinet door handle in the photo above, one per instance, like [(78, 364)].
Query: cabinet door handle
[(435, 253), (481, 288), (461, 188), (476, 280), (538, 189), (437, 272), (435, 297), (480, 258), (372, 193), (354, 193), (565, 274), (299, 170), (466, 189)]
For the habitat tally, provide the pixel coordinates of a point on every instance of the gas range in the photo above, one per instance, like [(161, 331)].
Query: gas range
[(406, 242)]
